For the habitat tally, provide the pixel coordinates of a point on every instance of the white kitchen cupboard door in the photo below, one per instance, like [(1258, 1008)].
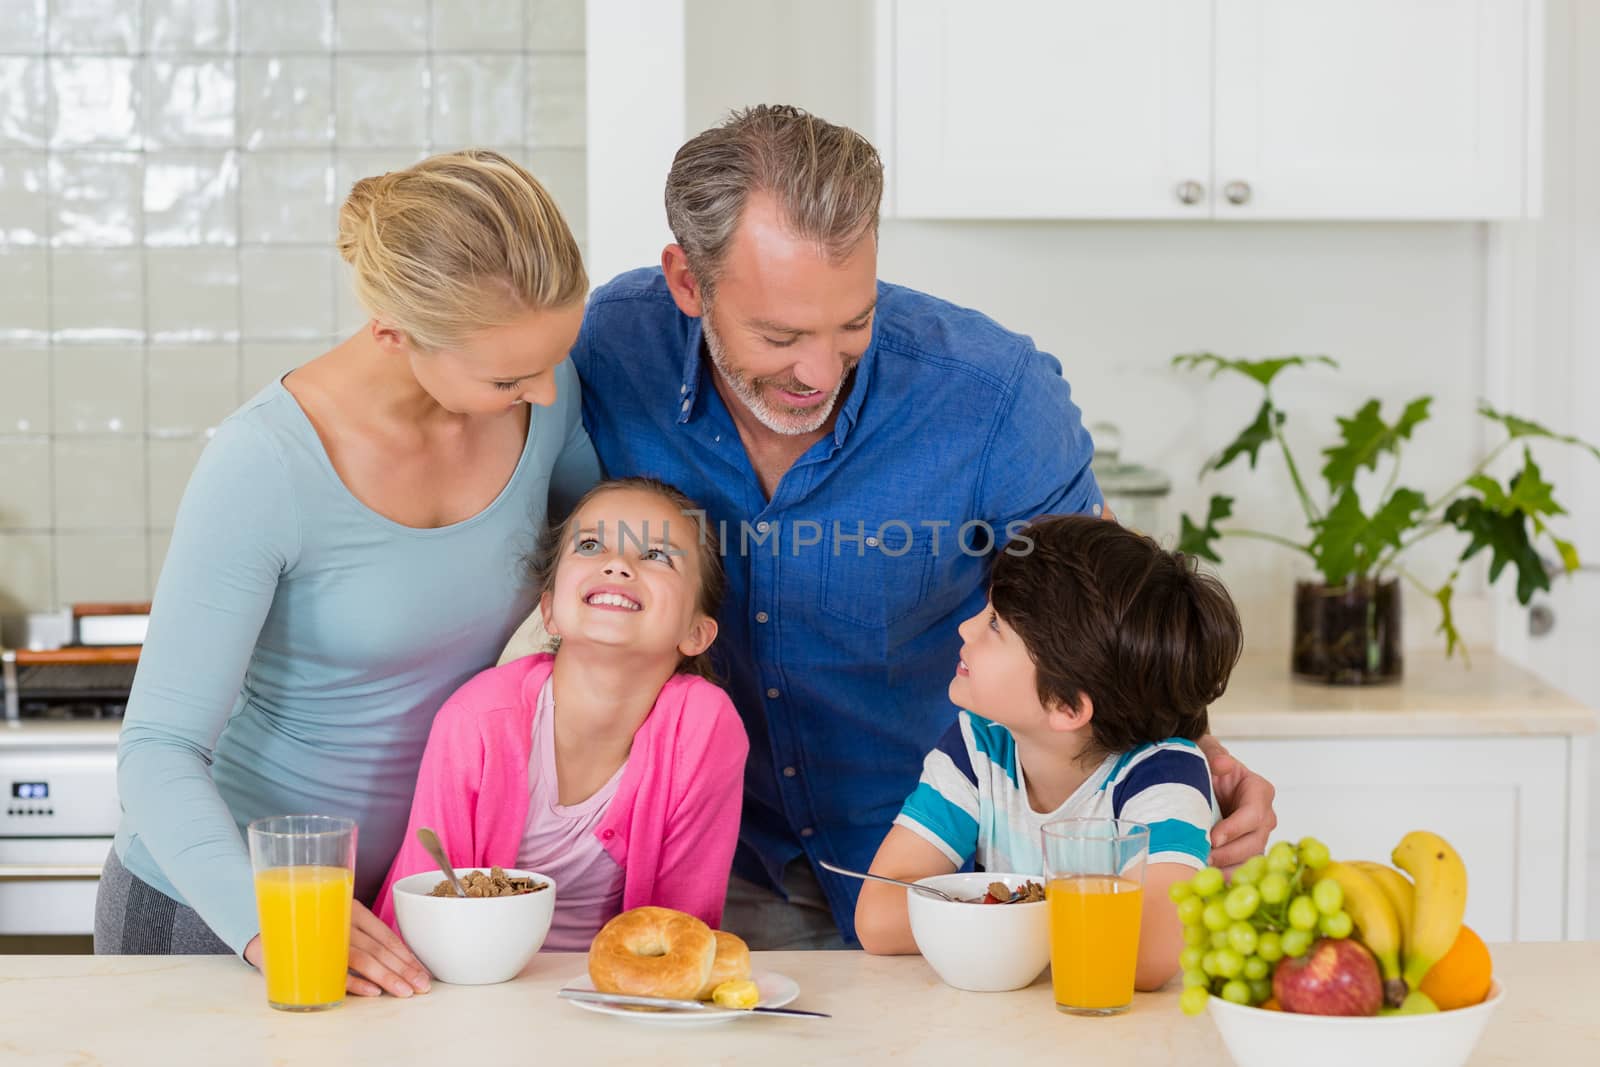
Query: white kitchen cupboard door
[(1370, 109), (1049, 108)]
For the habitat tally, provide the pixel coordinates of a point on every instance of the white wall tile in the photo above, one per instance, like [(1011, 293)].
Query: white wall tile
[(24, 390), (24, 294), (382, 25), (191, 388), (285, 26), (97, 295), (95, 102), (99, 389), (562, 171), (24, 102), (189, 103), (288, 196), (351, 166), (27, 501), (99, 483), (555, 25), (264, 362), (285, 102), (477, 25), (171, 463), (555, 101), (192, 25), (27, 573), (191, 197), (24, 204), (94, 25), (193, 294), (95, 199), (383, 101), (477, 100), (22, 25), (101, 567), (350, 314), (287, 292)]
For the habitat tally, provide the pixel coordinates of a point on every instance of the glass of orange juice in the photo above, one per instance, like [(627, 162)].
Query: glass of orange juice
[(305, 875), (1094, 882)]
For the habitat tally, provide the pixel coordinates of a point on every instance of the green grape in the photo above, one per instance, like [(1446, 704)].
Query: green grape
[(1242, 938), (1229, 963), (1215, 916), (1208, 883), (1269, 946), (1314, 853), (1338, 925), (1296, 943), (1219, 939), (1303, 914), (1196, 980), (1328, 896), (1189, 959), (1283, 858), (1274, 888), (1241, 901), (1190, 910), (1236, 992), (1260, 991), (1208, 964), (1256, 968), (1196, 936), (1178, 892), (1250, 871), (1193, 1001)]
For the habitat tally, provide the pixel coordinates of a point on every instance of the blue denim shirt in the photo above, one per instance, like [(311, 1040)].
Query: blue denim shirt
[(838, 635)]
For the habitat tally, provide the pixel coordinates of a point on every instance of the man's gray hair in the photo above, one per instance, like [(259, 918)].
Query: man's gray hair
[(827, 180)]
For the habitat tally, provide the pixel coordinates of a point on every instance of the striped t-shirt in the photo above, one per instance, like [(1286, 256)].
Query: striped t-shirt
[(972, 801)]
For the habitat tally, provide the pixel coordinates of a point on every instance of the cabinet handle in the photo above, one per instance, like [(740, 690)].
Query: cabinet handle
[(1237, 192), (1190, 192)]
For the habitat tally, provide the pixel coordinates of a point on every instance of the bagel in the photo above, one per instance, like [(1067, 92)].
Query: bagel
[(732, 962), (652, 952)]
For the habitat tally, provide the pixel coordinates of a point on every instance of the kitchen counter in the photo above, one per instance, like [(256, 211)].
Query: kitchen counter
[(208, 1010)]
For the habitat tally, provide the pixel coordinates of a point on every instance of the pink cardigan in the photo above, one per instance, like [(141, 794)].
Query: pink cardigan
[(672, 825)]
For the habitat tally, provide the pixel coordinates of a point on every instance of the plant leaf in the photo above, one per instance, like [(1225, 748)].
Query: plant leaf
[(1261, 370), (1530, 493), (1196, 540), (1520, 427), (1569, 554), (1506, 536), (1397, 515), (1337, 539), (1250, 439), (1366, 437)]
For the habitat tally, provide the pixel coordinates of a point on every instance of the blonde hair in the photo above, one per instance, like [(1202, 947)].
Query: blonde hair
[(827, 180), (456, 244)]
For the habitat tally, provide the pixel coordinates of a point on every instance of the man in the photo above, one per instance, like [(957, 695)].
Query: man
[(862, 449)]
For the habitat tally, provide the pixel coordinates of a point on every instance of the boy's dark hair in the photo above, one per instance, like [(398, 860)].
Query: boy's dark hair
[(1106, 612)]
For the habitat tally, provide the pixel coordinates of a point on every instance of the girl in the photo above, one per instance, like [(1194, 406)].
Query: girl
[(613, 765)]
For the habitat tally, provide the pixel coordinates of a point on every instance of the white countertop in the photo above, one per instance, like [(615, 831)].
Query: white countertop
[(160, 1011), (1437, 697)]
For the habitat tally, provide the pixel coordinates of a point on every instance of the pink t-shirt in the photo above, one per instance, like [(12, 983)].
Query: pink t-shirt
[(560, 841)]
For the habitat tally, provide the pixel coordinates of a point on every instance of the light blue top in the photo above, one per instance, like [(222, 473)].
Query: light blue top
[(300, 644)]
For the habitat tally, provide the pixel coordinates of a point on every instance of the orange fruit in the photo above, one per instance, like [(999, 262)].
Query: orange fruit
[(1461, 977), (1270, 1004)]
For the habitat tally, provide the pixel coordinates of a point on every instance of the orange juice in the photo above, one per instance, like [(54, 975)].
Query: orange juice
[(1094, 940), (305, 933)]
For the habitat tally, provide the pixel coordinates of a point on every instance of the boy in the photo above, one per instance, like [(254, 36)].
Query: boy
[(1085, 682)]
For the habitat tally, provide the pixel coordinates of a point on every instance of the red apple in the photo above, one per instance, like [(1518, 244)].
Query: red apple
[(1337, 977)]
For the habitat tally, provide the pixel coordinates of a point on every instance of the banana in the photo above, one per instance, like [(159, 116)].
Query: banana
[(1402, 896), (1375, 920), (1441, 892)]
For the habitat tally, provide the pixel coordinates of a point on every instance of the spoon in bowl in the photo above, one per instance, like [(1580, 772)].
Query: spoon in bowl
[(430, 841), (925, 890)]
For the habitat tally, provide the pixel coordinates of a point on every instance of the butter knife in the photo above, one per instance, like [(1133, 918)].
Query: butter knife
[(590, 996)]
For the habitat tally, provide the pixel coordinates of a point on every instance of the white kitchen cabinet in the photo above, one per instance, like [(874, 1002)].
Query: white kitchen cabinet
[(1225, 109)]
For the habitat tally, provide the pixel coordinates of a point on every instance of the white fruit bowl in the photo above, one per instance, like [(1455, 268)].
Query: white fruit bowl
[(477, 941), (1259, 1038), (986, 948)]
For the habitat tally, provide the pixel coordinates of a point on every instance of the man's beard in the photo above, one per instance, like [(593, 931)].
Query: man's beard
[(791, 422)]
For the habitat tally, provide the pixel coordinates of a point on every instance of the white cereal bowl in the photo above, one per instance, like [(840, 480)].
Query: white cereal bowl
[(1259, 1038), (477, 941), (986, 948)]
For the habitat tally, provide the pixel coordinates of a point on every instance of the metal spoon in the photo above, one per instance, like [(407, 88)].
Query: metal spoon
[(430, 841), (925, 890)]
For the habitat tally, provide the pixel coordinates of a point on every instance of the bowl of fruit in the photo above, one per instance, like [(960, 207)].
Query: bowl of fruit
[(1343, 961)]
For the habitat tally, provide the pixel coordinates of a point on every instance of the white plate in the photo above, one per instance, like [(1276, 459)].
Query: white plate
[(776, 991)]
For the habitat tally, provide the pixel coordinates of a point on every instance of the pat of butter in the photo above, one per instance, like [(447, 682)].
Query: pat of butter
[(740, 993)]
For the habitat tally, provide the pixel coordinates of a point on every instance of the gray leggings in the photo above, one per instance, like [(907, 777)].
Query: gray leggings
[(132, 918)]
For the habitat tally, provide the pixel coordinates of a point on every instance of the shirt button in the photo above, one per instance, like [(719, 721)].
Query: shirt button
[(807, 832), (682, 390), (685, 405), (763, 526), (872, 542), (772, 694), (1098, 508), (608, 834), (761, 616), (789, 772)]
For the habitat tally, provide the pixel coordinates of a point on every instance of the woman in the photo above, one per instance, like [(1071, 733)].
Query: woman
[(347, 554)]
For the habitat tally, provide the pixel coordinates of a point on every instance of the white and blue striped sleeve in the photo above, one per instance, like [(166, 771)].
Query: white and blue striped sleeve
[(1169, 790), (943, 809)]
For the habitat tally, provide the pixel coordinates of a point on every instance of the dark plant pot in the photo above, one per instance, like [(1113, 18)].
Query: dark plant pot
[(1348, 634)]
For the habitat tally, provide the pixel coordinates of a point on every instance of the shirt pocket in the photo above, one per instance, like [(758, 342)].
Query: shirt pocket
[(876, 588)]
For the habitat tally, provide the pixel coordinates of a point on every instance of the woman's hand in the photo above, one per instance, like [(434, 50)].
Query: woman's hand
[(379, 961), (1246, 801)]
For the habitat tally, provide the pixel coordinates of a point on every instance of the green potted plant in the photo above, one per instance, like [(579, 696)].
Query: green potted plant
[(1347, 622)]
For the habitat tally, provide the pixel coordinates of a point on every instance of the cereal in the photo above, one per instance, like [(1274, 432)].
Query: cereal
[(1000, 893), (497, 883)]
